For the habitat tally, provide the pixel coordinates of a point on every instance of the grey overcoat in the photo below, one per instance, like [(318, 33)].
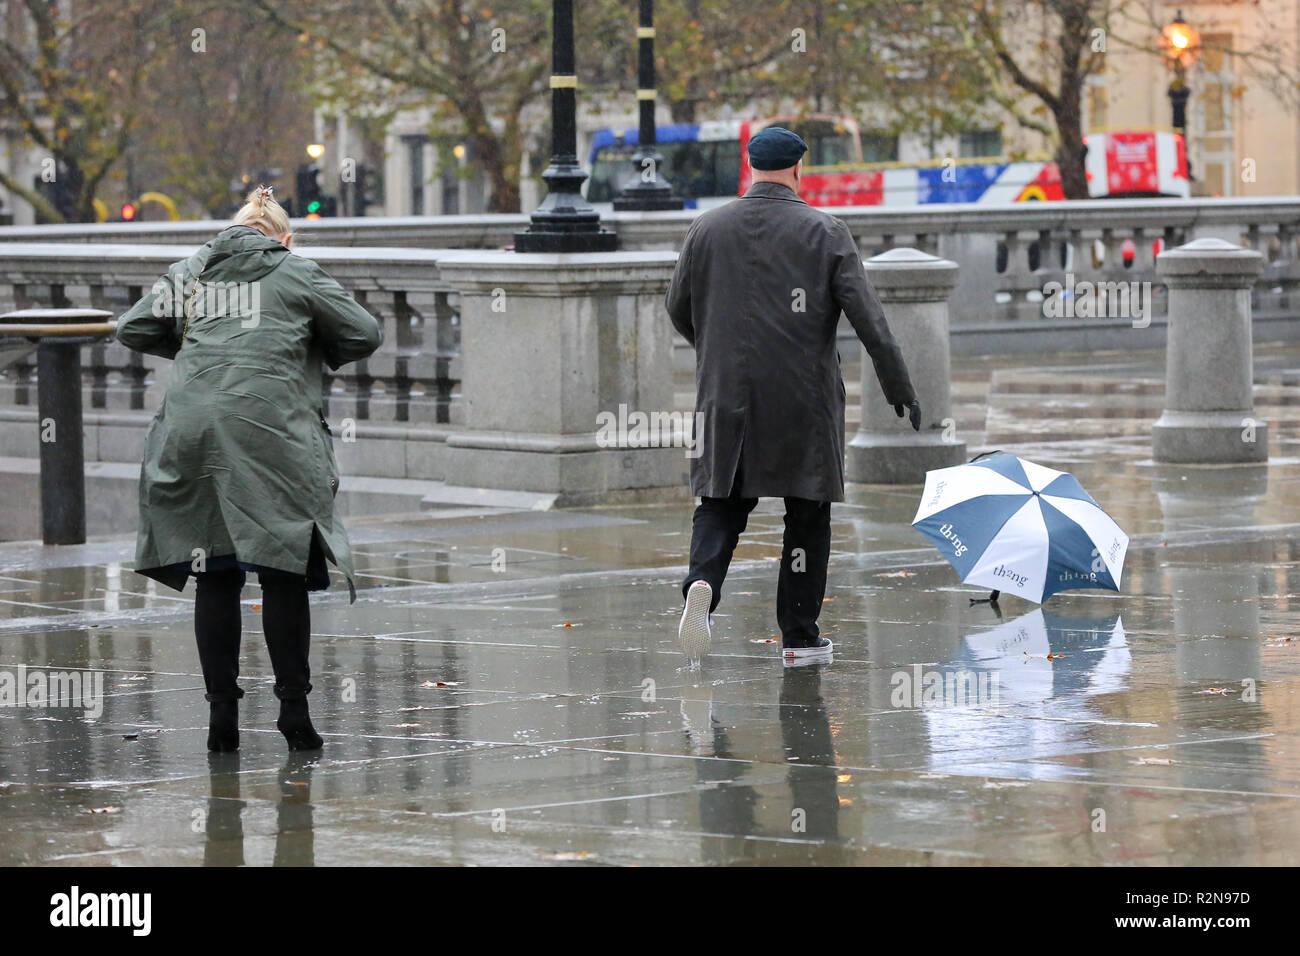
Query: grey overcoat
[(758, 290)]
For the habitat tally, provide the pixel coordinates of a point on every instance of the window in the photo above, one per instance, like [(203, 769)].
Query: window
[(879, 148), (1098, 104), (693, 169), (1210, 137), (980, 143)]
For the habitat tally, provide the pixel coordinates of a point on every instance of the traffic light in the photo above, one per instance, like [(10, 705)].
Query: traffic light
[(128, 211), (369, 188), (311, 200), (307, 185)]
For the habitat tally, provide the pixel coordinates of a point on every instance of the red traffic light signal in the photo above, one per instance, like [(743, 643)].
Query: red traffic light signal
[(128, 211)]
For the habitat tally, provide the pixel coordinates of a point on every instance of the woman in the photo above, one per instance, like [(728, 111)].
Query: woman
[(239, 472)]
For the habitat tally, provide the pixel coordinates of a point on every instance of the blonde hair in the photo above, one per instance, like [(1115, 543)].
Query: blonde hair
[(263, 211)]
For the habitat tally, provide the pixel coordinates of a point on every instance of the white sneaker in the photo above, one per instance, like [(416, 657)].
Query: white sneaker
[(821, 651), (694, 630)]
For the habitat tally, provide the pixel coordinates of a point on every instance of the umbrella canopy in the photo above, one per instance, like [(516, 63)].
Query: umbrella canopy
[(1013, 525)]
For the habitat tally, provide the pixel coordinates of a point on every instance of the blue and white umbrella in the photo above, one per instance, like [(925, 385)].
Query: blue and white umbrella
[(1013, 525)]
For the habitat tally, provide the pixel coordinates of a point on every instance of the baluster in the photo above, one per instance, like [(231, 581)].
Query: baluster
[(447, 353), (402, 349), (362, 380)]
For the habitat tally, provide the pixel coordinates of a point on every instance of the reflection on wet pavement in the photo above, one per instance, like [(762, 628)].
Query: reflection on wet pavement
[(506, 688)]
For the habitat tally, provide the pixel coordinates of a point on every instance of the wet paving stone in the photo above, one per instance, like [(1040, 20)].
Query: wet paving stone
[(507, 687)]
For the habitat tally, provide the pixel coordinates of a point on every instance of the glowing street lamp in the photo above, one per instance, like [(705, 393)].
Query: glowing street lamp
[(316, 150), (1181, 45)]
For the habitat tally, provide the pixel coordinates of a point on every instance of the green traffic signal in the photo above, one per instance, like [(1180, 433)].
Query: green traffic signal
[(313, 206)]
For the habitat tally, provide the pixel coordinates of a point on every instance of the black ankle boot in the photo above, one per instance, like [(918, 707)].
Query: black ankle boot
[(295, 724), (223, 726)]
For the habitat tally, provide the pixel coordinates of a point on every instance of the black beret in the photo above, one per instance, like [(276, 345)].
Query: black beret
[(776, 148)]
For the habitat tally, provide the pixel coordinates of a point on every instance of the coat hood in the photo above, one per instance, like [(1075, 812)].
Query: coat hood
[(237, 254)]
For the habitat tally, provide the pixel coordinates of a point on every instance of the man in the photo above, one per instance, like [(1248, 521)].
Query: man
[(758, 291)]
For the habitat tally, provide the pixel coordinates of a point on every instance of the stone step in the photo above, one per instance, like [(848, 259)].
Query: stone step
[(112, 498)]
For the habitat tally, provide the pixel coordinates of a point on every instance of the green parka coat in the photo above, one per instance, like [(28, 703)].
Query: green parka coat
[(239, 460)]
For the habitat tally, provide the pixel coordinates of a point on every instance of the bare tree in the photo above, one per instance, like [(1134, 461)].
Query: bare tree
[(72, 84), (234, 105)]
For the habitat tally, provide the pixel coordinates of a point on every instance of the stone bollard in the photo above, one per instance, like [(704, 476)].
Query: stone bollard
[(567, 377), (913, 287), (61, 334), (1209, 415)]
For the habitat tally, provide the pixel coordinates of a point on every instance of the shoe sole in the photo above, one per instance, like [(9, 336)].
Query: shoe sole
[(693, 630), (807, 653)]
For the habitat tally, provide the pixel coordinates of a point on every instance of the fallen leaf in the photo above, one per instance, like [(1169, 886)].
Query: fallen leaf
[(441, 683), (762, 640), (584, 855), (896, 574), (1155, 761), (1221, 691)]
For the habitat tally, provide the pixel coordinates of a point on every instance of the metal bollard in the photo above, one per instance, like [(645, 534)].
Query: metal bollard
[(1209, 414), (913, 287), (60, 333)]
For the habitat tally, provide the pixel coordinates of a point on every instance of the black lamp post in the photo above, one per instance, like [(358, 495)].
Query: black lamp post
[(565, 221), (649, 190), (1181, 44)]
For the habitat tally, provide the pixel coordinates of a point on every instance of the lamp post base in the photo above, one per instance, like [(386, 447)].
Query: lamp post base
[(558, 241)]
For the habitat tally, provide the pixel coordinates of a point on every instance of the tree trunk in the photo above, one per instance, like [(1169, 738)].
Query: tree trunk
[(1068, 108), (490, 153), (683, 111), (491, 158), (1070, 152)]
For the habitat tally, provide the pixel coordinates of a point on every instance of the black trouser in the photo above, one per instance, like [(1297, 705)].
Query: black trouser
[(805, 550), (286, 622)]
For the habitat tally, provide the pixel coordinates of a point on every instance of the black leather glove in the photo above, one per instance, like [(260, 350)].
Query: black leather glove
[(915, 414)]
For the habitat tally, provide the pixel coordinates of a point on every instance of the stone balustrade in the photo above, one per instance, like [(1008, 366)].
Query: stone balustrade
[(1008, 255), (406, 399), (402, 398)]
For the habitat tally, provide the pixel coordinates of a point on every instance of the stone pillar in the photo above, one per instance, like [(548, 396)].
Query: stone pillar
[(1209, 412), (555, 349), (913, 287)]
